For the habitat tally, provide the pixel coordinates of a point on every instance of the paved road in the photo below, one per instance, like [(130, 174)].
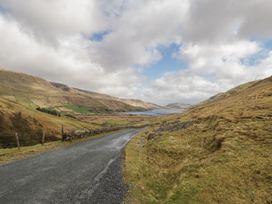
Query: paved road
[(89, 172)]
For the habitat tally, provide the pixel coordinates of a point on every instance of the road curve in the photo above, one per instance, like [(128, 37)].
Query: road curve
[(87, 172)]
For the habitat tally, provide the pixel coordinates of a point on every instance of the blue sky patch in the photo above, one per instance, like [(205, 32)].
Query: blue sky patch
[(256, 58), (166, 64), (99, 37), (268, 44), (3, 9)]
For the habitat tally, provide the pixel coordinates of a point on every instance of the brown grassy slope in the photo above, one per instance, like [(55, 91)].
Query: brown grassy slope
[(33, 119), (217, 152)]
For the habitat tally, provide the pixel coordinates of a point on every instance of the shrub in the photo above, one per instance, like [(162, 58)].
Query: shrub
[(51, 111)]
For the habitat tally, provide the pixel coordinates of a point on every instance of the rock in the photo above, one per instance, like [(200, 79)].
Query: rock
[(174, 126), (151, 136)]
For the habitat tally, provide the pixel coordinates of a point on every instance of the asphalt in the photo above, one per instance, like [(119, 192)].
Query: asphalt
[(87, 172)]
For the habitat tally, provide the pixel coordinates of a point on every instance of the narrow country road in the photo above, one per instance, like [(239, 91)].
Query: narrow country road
[(88, 172)]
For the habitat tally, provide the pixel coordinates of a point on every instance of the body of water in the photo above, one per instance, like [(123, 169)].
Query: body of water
[(156, 112)]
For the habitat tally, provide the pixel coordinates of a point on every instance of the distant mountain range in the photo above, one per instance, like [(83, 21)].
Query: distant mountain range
[(178, 105)]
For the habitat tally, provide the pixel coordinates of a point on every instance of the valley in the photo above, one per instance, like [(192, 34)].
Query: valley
[(218, 151), (135, 102)]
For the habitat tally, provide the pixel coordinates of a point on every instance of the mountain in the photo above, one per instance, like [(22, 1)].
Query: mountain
[(140, 103), (36, 92), (178, 105), (216, 152)]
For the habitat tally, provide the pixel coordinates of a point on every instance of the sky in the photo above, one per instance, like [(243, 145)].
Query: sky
[(161, 51)]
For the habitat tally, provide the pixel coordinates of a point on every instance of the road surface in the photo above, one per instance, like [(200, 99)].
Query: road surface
[(88, 172)]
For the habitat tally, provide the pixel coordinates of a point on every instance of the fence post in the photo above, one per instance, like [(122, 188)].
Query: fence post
[(17, 140), (43, 137), (62, 133)]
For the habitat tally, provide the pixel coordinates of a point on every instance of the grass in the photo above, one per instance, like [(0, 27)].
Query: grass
[(13, 154), (78, 108), (185, 167), (224, 156), (26, 102)]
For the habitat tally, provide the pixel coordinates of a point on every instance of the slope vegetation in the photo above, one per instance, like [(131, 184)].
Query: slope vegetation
[(217, 152)]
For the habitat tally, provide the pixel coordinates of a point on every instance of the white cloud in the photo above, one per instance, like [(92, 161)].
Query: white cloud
[(221, 59), (213, 20), (211, 69), (139, 29), (52, 19), (52, 39)]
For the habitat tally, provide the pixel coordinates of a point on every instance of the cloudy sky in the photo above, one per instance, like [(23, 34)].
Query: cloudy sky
[(158, 50)]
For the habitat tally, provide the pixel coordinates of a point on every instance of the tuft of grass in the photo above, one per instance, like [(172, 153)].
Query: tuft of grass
[(8, 155)]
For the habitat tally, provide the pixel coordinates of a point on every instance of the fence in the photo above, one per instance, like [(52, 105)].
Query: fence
[(14, 139), (18, 139)]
